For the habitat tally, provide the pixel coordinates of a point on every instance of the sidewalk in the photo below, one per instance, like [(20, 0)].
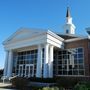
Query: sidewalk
[(5, 85)]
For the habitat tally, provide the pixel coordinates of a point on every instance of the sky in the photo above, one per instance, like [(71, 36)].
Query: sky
[(44, 14)]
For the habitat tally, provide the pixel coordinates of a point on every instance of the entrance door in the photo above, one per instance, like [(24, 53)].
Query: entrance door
[(29, 70), (21, 70)]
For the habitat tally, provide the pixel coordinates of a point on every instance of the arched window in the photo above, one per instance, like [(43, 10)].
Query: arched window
[(67, 31)]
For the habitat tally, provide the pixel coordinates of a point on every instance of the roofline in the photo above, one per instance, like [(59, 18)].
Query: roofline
[(55, 35), (43, 31), (75, 39), (21, 29), (73, 35)]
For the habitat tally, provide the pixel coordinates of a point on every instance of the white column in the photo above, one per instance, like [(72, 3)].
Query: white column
[(45, 69), (51, 62), (6, 64), (10, 64), (39, 62)]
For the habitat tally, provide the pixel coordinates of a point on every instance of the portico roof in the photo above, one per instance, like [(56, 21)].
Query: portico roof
[(25, 36)]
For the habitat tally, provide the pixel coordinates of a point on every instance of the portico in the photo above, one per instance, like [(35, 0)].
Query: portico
[(34, 53)]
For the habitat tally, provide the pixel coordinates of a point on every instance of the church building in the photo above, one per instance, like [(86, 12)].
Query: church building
[(43, 53)]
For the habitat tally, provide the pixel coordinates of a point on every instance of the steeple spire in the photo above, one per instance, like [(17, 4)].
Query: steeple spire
[(69, 27), (68, 15)]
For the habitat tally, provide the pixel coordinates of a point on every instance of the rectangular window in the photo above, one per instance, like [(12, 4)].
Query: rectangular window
[(69, 61), (67, 31), (80, 55), (80, 50), (23, 58)]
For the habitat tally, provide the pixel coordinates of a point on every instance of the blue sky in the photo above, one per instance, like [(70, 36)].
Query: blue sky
[(46, 14)]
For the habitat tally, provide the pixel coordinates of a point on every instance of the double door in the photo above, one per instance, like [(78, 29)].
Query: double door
[(28, 71)]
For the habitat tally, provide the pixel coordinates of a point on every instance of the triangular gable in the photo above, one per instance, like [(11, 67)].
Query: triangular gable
[(22, 34)]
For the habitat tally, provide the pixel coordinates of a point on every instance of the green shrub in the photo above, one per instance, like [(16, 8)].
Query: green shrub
[(86, 83), (19, 82), (47, 88), (43, 80), (80, 87), (66, 82), (50, 88)]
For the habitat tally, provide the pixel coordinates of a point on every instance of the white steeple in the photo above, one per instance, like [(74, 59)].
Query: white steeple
[(69, 27)]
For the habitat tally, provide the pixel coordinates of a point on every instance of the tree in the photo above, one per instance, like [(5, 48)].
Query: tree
[(1, 72)]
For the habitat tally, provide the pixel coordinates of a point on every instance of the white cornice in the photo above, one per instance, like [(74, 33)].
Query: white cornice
[(31, 30), (28, 37), (55, 35), (74, 39)]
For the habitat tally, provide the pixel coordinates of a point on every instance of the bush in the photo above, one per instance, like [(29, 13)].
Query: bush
[(1, 73), (43, 80), (19, 82), (66, 82), (80, 87), (86, 83), (48, 88), (83, 85)]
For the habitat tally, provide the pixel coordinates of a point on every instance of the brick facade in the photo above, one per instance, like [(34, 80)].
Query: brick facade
[(85, 44)]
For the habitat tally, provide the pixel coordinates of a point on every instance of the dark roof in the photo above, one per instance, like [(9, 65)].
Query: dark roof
[(66, 36)]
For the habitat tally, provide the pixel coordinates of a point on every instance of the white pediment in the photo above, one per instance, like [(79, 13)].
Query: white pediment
[(28, 37), (23, 34)]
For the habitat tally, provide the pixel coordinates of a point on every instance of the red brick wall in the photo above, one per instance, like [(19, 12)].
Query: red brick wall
[(82, 43)]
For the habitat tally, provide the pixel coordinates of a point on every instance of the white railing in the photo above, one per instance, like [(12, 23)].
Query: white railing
[(4, 78), (13, 77), (8, 78)]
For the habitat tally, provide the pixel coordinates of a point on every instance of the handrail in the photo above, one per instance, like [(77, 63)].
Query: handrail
[(13, 77), (3, 78), (8, 78)]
